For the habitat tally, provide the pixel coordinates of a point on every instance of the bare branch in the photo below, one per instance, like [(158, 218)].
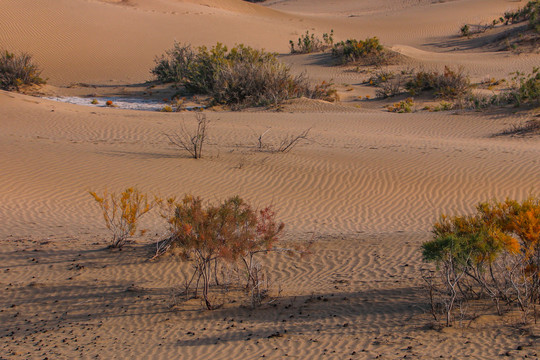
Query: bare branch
[(192, 142)]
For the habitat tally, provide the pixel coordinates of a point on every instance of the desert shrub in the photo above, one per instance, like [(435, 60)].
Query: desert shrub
[(388, 83), (451, 84), (324, 91), (404, 106), (530, 12), (284, 144), (526, 88), (18, 70), (240, 77), (531, 127), (369, 51), (231, 231), (465, 30), (257, 84), (122, 213), (443, 106), (494, 253), (309, 43), (191, 141)]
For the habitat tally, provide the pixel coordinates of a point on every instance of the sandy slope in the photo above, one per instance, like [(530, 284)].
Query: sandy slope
[(369, 184)]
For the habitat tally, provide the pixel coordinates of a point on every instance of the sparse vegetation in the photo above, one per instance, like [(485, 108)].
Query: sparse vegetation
[(369, 51), (530, 13), (122, 213), (239, 78), (18, 70), (443, 106), (493, 254), (388, 83), (191, 141), (309, 43), (531, 127), (525, 89), (285, 144), (451, 84), (404, 106)]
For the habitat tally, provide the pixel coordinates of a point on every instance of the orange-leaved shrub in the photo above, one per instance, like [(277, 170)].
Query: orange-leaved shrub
[(231, 231), (122, 212), (494, 253)]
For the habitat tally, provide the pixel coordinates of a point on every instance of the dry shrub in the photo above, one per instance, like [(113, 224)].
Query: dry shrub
[(191, 141), (531, 127), (18, 70), (451, 84), (285, 144)]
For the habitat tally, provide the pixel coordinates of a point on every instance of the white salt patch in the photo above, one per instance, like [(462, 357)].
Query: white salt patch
[(120, 103)]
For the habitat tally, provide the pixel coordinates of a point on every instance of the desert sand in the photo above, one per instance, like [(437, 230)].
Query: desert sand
[(367, 186)]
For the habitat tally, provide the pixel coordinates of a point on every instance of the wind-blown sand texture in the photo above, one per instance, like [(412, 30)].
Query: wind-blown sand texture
[(368, 186)]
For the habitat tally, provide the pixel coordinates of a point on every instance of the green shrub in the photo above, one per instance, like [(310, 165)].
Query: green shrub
[(240, 77), (451, 84), (369, 51), (443, 106), (18, 70), (465, 30), (308, 43), (404, 106), (494, 253), (526, 89), (530, 12)]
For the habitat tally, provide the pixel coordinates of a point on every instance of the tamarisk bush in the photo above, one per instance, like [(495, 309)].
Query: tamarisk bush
[(494, 253), (231, 232)]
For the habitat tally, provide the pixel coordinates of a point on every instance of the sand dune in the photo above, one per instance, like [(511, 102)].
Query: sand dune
[(367, 185)]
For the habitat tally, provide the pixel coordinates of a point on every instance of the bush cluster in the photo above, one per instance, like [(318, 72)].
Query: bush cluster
[(210, 235), (309, 43), (239, 77), (404, 106), (525, 89), (493, 254), (530, 12), (18, 70), (451, 84), (369, 51)]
